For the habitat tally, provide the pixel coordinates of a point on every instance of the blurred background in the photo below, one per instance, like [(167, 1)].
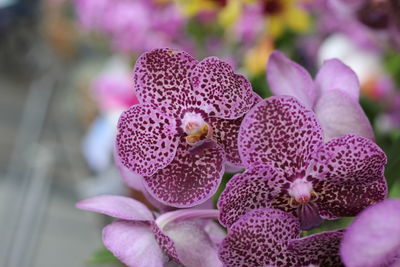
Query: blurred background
[(65, 77)]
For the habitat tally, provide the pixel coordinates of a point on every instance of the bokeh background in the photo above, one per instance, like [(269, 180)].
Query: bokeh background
[(65, 71)]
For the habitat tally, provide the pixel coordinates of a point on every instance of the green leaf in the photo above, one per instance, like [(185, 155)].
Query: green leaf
[(102, 256)]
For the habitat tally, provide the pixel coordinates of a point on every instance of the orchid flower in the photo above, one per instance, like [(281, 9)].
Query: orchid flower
[(290, 167), (373, 238), (333, 96), (140, 240), (269, 237), (185, 127)]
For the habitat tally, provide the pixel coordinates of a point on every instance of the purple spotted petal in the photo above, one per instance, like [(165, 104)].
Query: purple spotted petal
[(279, 132), (373, 238), (118, 207), (286, 77), (340, 114), (320, 249), (260, 238), (222, 93), (335, 75), (258, 187), (162, 77), (192, 177), (165, 242), (344, 200), (146, 139), (134, 244), (349, 159), (193, 245), (226, 133)]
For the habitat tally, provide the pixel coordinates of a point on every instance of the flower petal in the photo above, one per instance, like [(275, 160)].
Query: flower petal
[(165, 242), (192, 177), (339, 114), (146, 139), (258, 187), (134, 244), (286, 77), (373, 237), (281, 133), (260, 238), (222, 93), (118, 207), (226, 133), (335, 75), (350, 159), (130, 178), (161, 77), (320, 249), (193, 245), (348, 199)]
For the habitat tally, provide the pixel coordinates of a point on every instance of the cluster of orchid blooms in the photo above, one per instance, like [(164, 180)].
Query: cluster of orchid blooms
[(305, 155)]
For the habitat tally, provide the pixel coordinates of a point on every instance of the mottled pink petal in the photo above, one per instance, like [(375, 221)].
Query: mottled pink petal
[(134, 244), (339, 114), (320, 249), (162, 77), (191, 178), (279, 132), (118, 207), (349, 159), (348, 199), (146, 139), (165, 242), (193, 245), (373, 237), (222, 93), (226, 133), (258, 187), (286, 77), (260, 238), (335, 75)]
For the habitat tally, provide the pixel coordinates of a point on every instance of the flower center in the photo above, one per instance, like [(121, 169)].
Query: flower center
[(301, 191), (303, 197), (196, 128)]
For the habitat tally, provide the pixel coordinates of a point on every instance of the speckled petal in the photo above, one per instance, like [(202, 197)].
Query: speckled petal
[(258, 187), (373, 237), (162, 77), (134, 244), (339, 114), (146, 139), (286, 77), (344, 200), (226, 133), (165, 242), (349, 159), (192, 177), (193, 245), (222, 93), (279, 132), (320, 249), (260, 238), (117, 206)]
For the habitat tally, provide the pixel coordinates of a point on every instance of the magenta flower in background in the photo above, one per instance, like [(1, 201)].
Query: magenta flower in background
[(373, 238), (290, 167), (333, 96), (269, 237), (90, 13), (185, 129), (140, 240)]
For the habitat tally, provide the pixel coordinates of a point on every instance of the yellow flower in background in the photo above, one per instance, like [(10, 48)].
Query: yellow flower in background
[(282, 14), (256, 58), (191, 8)]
